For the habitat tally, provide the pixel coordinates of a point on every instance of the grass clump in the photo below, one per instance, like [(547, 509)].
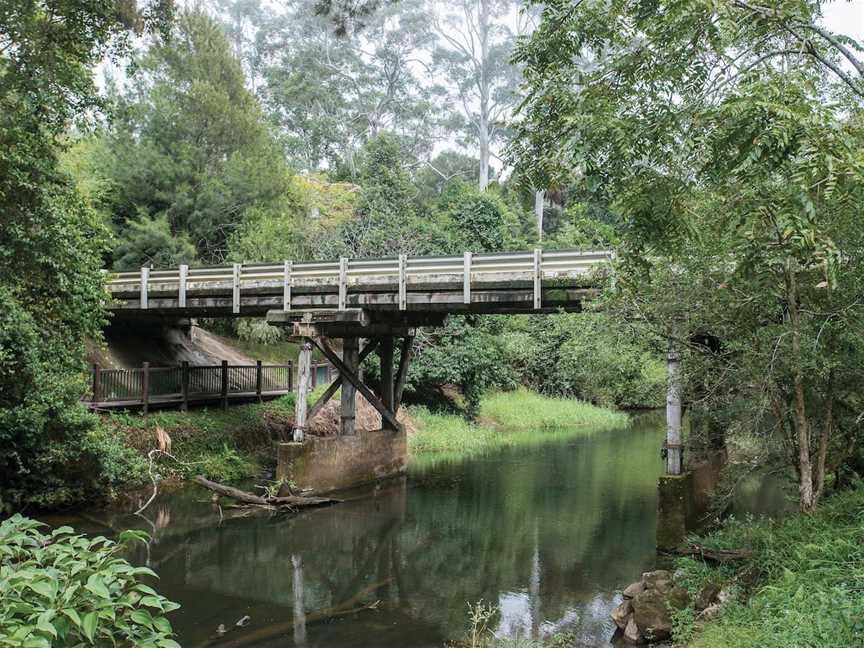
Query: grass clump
[(506, 419), (526, 409), (802, 587)]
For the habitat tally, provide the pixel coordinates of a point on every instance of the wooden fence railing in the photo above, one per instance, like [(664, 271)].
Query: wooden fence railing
[(148, 386)]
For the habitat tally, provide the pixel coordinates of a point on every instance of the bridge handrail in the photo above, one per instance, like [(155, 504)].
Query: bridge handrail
[(549, 262)]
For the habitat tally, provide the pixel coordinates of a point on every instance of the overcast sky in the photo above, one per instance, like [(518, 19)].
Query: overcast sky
[(845, 17)]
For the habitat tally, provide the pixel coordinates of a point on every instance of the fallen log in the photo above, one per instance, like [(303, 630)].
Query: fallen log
[(713, 555), (291, 501)]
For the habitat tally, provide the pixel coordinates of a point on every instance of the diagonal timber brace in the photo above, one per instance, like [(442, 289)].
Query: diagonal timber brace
[(350, 375), (334, 386)]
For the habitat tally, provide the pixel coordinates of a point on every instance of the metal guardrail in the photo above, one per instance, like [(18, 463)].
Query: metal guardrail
[(400, 272)]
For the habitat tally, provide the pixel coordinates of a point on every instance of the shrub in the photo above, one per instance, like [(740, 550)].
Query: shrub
[(65, 590)]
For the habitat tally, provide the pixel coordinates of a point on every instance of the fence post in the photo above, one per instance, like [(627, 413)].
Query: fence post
[(145, 387), (184, 385), (224, 384), (258, 379), (290, 375), (97, 383)]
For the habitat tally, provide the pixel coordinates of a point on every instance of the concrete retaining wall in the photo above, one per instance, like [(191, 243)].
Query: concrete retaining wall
[(326, 464)]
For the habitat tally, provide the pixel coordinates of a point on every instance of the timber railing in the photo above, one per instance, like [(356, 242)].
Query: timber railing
[(147, 386), (148, 288)]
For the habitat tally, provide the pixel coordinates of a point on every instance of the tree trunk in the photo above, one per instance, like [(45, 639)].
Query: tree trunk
[(539, 204), (483, 19), (807, 501)]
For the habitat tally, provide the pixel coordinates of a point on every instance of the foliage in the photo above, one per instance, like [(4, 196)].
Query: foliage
[(742, 241), (505, 419), (224, 445), (191, 144), (64, 589), (479, 222), (809, 572), (525, 409), (148, 241), (51, 294), (332, 94)]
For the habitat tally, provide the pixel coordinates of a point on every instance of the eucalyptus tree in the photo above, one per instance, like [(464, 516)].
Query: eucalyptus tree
[(330, 94), (727, 137), (472, 53)]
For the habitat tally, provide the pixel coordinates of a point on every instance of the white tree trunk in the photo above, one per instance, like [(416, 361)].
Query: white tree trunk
[(539, 204)]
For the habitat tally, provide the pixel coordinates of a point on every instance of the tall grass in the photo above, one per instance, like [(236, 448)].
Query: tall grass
[(526, 409), (803, 587), (506, 419)]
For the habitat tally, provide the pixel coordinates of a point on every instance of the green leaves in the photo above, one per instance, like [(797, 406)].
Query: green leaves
[(65, 590)]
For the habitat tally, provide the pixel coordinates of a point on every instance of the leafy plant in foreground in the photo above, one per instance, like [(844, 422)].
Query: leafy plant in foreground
[(65, 590)]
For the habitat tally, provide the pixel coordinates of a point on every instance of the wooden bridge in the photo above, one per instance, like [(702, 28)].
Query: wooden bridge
[(368, 303)]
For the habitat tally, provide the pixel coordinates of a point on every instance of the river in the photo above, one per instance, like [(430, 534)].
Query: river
[(548, 533)]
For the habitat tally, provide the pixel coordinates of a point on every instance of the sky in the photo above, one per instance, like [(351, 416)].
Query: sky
[(845, 17)]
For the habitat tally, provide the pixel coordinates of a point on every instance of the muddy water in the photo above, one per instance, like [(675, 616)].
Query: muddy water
[(546, 533)]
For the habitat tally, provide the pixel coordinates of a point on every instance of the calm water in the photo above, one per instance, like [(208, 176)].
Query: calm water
[(547, 533)]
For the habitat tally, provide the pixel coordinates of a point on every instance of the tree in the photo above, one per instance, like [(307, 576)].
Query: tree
[(479, 222), (726, 138), (52, 296), (149, 241), (331, 94), (473, 55), (191, 143)]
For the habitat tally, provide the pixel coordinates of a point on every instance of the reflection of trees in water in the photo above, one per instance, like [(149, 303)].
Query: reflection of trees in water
[(546, 534)]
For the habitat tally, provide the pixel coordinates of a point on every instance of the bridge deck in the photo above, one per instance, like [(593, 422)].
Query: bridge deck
[(514, 282)]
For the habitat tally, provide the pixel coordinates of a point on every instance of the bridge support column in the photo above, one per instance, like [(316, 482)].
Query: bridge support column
[(674, 454), (304, 381), (387, 386), (351, 359)]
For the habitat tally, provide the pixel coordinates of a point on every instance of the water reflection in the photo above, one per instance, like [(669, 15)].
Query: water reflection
[(547, 533)]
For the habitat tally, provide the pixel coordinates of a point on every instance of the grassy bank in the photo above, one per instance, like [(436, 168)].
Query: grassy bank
[(224, 445), (505, 419), (802, 587)]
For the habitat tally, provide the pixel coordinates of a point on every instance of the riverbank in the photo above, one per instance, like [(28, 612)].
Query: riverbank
[(512, 418), (801, 587), (225, 445)]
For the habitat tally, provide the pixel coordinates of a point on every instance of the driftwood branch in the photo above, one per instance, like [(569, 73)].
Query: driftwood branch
[(292, 501)]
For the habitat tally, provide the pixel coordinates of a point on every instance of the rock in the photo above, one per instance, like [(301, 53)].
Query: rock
[(621, 614), (723, 596), (707, 595), (631, 632), (650, 579), (710, 613), (633, 589), (662, 585), (651, 614), (678, 597)]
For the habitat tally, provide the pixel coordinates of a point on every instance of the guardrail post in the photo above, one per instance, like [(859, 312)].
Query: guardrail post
[(97, 383), (258, 379), (343, 282), (184, 385), (403, 282), (145, 279), (181, 296), (538, 284), (235, 301), (466, 279), (287, 281), (145, 387), (224, 384)]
